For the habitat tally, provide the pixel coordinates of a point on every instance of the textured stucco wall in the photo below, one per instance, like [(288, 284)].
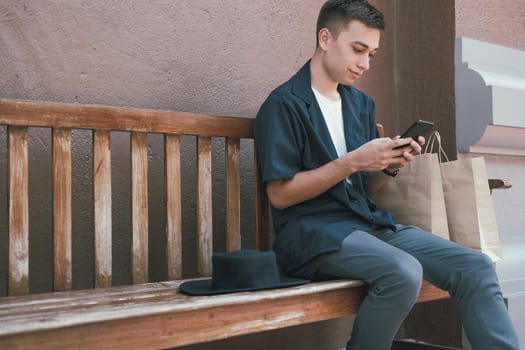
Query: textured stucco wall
[(497, 22), (199, 56)]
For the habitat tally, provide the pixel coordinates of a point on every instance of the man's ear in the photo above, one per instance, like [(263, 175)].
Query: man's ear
[(323, 37)]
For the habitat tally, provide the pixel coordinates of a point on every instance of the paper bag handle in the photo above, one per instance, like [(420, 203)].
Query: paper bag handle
[(434, 146)]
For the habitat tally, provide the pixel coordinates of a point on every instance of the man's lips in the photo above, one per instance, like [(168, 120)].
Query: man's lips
[(355, 74)]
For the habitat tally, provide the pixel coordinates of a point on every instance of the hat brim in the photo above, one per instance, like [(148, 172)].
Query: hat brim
[(204, 286)]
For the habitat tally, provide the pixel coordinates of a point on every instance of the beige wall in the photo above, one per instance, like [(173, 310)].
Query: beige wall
[(497, 22), (186, 55)]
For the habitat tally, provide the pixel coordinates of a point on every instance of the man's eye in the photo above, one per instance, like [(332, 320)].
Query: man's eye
[(357, 49)]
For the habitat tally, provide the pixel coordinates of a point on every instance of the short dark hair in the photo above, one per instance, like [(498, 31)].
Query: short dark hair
[(336, 13)]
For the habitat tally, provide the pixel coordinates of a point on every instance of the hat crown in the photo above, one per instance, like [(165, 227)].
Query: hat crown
[(244, 269), (241, 270)]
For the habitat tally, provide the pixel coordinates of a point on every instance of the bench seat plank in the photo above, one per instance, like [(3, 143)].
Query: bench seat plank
[(119, 314)]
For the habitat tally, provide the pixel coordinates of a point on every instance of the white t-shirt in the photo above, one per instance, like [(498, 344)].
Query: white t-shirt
[(333, 116)]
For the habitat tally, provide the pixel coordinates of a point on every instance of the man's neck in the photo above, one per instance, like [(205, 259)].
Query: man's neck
[(321, 81)]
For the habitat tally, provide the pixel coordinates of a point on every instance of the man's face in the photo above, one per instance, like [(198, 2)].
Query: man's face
[(348, 57)]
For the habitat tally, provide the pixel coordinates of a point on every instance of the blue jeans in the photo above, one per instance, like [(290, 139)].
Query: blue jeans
[(393, 264)]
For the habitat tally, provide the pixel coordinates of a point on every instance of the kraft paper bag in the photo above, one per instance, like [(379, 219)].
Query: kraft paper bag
[(415, 196), (470, 211)]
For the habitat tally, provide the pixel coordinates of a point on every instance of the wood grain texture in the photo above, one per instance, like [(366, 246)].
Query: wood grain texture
[(63, 279), (61, 115), (204, 206), (102, 208), (173, 207), (233, 195), (122, 317), (18, 180), (430, 292), (139, 206)]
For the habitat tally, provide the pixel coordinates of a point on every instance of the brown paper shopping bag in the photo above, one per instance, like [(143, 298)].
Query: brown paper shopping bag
[(470, 211), (415, 196)]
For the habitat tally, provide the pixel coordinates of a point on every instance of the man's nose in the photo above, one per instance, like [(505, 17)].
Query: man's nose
[(364, 63)]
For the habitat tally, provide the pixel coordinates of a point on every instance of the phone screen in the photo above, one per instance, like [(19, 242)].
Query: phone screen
[(418, 128)]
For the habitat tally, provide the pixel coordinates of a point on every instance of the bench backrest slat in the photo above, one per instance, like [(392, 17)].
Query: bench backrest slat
[(62, 209), (18, 211), (102, 208), (204, 206), (173, 206), (54, 115), (233, 198), (65, 121), (139, 205)]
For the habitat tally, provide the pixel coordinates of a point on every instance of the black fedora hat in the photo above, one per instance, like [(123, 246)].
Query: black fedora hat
[(240, 271)]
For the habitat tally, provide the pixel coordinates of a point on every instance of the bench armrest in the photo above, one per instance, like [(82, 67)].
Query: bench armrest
[(499, 184)]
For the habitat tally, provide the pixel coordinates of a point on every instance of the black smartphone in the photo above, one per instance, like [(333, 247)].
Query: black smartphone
[(418, 128)]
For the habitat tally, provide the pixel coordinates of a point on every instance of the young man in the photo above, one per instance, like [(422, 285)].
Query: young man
[(320, 156)]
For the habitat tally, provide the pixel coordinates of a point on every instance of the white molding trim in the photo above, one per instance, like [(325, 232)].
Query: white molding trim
[(501, 140), (490, 98)]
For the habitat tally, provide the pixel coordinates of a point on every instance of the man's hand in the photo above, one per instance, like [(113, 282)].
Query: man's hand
[(402, 156), (410, 148), (382, 153)]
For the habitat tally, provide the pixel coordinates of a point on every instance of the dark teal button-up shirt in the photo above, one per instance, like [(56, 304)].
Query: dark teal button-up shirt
[(291, 136)]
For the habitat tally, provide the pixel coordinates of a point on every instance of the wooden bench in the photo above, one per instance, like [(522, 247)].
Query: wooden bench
[(144, 314)]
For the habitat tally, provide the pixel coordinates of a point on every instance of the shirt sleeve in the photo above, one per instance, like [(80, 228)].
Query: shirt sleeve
[(278, 135)]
